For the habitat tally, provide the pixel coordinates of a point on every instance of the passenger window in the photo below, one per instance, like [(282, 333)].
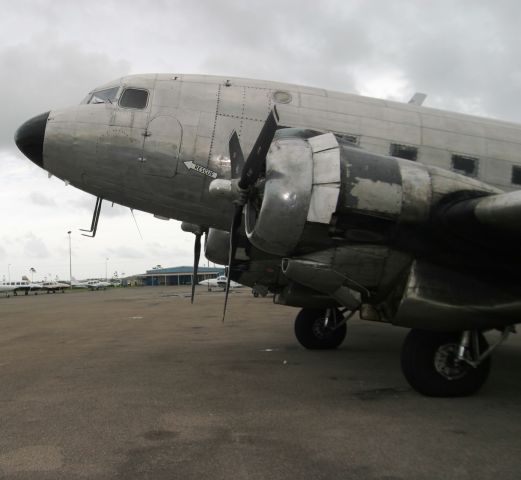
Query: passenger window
[(516, 175), (134, 98), (465, 165), (348, 138), (404, 151)]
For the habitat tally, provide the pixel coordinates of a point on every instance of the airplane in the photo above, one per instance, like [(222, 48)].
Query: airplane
[(219, 282), (7, 288), (336, 203), (98, 284), (25, 286), (55, 286), (52, 286), (76, 284), (91, 284)]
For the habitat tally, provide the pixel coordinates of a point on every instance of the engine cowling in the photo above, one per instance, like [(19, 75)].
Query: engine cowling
[(317, 182)]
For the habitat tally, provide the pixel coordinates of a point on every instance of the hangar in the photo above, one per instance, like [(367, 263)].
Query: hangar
[(177, 275)]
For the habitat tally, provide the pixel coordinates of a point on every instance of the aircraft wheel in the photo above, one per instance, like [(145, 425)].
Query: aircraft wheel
[(312, 332), (255, 293), (430, 365)]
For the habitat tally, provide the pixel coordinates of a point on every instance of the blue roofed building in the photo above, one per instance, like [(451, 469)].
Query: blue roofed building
[(177, 275)]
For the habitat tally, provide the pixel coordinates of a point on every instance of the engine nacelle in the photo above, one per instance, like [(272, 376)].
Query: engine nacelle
[(217, 246), (337, 190)]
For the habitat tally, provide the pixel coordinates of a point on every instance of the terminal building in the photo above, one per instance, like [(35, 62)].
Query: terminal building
[(174, 276)]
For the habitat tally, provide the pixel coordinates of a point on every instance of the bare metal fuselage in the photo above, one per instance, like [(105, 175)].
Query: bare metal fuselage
[(135, 156), (162, 157), (400, 212)]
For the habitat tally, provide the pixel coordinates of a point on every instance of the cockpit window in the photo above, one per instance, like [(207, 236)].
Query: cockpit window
[(134, 98), (104, 96)]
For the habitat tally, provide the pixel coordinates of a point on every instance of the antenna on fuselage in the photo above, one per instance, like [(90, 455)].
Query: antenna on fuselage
[(135, 221), (417, 99), (95, 219)]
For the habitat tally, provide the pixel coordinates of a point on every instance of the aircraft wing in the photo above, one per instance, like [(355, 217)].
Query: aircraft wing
[(500, 212)]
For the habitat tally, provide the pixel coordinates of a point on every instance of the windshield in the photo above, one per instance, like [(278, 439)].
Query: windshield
[(103, 96)]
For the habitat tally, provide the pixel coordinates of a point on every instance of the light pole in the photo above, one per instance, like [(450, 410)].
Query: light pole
[(9, 272), (106, 264), (70, 259)]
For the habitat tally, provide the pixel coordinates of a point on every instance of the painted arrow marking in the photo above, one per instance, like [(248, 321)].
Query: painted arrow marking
[(200, 169)]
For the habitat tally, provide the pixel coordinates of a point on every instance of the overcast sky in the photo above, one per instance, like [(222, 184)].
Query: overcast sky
[(465, 54)]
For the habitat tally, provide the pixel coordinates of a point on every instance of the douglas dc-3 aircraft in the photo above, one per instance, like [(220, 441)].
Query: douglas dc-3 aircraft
[(336, 203)]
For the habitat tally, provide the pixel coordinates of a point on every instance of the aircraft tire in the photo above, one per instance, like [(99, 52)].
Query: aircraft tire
[(428, 365), (311, 333)]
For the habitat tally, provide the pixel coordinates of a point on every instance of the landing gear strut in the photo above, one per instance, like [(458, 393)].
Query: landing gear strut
[(447, 364), (318, 329)]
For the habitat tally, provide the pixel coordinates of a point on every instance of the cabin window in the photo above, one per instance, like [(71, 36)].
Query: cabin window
[(516, 175), (348, 138), (465, 165), (404, 151), (134, 98), (104, 96)]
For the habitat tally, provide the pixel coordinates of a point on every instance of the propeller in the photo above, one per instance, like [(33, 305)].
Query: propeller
[(198, 231), (249, 171), (197, 255)]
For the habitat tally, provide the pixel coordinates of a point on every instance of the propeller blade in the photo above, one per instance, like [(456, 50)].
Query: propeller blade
[(236, 223), (197, 255), (249, 173), (257, 158), (236, 155)]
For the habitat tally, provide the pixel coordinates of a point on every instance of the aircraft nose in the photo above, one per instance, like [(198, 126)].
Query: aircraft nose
[(29, 138)]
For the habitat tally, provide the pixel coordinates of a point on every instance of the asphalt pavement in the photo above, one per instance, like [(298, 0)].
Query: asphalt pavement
[(136, 383)]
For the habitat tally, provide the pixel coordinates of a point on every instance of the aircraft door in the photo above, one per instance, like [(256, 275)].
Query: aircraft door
[(161, 146)]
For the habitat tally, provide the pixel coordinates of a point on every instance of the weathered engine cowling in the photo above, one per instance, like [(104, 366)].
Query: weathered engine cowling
[(352, 193), (302, 185)]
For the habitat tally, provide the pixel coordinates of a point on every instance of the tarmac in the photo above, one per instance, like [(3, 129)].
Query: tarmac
[(136, 383)]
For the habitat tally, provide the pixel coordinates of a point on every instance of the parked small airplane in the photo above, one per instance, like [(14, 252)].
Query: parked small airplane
[(219, 282), (25, 286), (7, 288), (98, 284), (336, 203), (91, 284), (55, 286), (50, 286), (76, 284)]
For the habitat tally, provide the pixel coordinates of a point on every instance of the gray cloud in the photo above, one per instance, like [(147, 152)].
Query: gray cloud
[(43, 74), (123, 251), (41, 199), (35, 247), (464, 54)]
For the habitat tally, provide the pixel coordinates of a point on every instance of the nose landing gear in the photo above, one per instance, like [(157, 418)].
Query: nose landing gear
[(318, 329)]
